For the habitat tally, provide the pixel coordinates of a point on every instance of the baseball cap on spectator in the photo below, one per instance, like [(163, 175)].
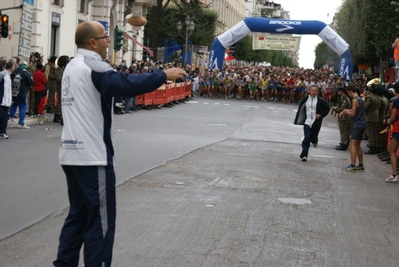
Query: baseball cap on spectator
[(23, 65)]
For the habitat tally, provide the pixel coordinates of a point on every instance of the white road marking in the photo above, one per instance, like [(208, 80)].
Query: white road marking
[(297, 201)]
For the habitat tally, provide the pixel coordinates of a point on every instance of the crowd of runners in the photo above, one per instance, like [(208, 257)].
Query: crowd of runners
[(259, 83)]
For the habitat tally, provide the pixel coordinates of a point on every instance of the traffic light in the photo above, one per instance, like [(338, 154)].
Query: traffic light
[(118, 38), (4, 26)]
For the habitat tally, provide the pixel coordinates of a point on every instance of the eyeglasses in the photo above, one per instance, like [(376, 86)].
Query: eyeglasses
[(102, 37)]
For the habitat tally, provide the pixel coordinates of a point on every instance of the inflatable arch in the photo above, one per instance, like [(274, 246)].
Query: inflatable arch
[(254, 24)]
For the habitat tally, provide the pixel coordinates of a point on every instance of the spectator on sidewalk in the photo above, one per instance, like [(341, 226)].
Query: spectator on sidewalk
[(5, 96), (371, 115), (382, 114), (21, 82), (39, 87), (118, 99), (395, 46), (344, 121), (51, 76), (86, 151), (61, 62), (195, 81), (31, 69), (129, 100), (358, 129), (393, 123)]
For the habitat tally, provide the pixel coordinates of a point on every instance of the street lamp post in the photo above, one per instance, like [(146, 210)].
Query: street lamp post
[(190, 25)]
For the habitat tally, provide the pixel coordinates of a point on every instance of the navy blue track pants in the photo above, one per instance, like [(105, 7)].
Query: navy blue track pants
[(91, 218), (311, 135)]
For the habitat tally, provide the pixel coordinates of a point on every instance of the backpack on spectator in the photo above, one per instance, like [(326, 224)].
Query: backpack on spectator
[(16, 85)]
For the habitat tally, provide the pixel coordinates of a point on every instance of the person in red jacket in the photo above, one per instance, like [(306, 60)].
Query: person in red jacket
[(39, 87)]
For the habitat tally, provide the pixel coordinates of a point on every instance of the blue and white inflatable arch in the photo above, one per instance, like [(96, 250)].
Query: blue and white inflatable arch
[(243, 28)]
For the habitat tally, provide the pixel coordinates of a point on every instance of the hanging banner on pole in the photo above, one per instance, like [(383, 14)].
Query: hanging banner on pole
[(230, 53), (150, 52), (263, 41)]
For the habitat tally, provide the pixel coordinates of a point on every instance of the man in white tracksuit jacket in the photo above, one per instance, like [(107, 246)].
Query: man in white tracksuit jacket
[(86, 150)]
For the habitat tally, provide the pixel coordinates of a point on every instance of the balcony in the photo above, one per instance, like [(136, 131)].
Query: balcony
[(269, 4), (146, 3)]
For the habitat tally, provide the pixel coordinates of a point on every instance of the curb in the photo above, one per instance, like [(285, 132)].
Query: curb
[(29, 120)]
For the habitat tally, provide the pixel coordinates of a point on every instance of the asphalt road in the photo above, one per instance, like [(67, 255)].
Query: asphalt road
[(209, 183), (32, 184)]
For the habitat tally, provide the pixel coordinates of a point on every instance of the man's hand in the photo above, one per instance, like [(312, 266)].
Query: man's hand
[(345, 112), (175, 73)]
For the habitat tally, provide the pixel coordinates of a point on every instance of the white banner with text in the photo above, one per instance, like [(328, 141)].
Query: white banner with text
[(261, 41)]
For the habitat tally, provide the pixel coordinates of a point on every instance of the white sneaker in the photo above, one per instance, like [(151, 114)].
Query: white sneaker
[(22, 126), (3, 136), (12, 120)]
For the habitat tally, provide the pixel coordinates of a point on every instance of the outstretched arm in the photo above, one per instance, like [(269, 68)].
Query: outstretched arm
[(175, 73)]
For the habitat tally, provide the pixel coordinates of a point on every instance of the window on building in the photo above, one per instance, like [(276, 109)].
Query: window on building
[(59, 3), (54, 40), (82, 6)]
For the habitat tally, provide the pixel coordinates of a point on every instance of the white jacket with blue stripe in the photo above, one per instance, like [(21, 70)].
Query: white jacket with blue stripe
[(87, 91)]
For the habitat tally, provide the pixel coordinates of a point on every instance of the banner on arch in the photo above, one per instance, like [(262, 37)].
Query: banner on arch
[(261, 41)]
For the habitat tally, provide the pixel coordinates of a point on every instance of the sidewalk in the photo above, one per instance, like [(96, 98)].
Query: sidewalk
[(29, 120)]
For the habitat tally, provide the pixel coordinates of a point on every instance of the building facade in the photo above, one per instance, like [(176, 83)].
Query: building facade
[(48, 26), (230, 12), (266, 8)]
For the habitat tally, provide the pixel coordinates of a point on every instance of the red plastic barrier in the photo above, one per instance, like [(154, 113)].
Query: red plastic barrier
[(165, 94), (140, 100), (177, 91), (182, 90), (148, 98), (170, 92), (160, 96)]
